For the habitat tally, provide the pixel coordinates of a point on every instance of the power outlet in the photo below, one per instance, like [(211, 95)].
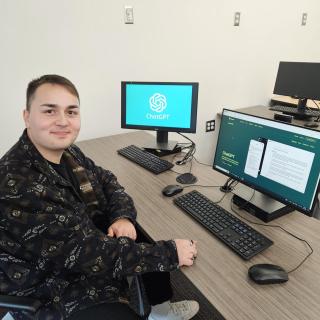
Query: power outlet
[(236, 19), (304, 19), (128, 15), (210, 125)]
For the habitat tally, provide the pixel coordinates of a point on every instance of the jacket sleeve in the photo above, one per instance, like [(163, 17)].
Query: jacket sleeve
[(59, 242), (118, 203), (47, 231)]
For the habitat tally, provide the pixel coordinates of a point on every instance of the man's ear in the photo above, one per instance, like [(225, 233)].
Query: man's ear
[(26, 115)]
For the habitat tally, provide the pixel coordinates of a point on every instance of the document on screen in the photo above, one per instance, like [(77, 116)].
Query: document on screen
[(287, 165), (254, 158)]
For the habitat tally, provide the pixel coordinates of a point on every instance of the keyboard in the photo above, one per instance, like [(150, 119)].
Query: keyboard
[(145, 159), (237, 235), (294, 110)]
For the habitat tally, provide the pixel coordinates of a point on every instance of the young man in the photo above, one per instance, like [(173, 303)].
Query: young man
[(68, 228)]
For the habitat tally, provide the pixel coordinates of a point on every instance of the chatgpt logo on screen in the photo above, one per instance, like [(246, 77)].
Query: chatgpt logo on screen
[(158, 103)]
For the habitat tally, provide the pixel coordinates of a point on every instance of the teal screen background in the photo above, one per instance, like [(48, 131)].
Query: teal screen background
[(179, 102), (234, 137)]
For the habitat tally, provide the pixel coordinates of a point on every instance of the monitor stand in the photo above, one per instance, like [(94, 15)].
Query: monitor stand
[(162, 146), (261, 205), (301, 108)]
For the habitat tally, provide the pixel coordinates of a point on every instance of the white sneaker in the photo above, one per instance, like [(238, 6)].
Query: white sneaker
[(182, 310)]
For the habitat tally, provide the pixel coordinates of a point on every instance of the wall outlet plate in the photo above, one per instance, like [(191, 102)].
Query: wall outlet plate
[(210, 125), (304, 19), (128, 15), (236, 20)]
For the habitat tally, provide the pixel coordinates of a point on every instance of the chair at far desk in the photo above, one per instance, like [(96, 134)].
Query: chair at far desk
[(218, 273)]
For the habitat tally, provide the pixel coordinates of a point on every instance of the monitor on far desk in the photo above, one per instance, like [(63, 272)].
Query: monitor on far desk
[(280, 160), (298, 80), (160, 106)]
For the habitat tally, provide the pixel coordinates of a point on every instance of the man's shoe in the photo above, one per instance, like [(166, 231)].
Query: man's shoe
[(182, 310)]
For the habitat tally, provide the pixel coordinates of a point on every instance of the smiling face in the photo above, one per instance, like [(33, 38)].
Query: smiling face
[(53, 120)]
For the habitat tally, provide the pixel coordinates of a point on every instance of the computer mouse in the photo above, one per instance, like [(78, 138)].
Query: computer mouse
[(171, 190), (267, 274)]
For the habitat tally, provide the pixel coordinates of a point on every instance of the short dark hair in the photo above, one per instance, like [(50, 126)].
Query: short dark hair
[(53, 79)]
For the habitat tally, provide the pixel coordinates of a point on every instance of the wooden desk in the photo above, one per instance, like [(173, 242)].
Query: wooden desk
[(218, 272), (292, 101), (265, 112)]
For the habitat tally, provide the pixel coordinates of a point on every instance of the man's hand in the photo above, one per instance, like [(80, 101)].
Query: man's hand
[(122, 228), (187, 251)]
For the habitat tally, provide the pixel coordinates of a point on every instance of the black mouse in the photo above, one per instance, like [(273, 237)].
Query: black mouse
[(171, 190), (267, 274)]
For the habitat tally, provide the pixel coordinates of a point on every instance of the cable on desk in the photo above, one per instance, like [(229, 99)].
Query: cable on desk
[(318, 118), (204, 164), (273, 226), (188, 156), (204, 186), (200, 185)]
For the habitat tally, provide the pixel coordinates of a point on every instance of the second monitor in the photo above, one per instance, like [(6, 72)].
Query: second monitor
[(160, 106), (278, 159)]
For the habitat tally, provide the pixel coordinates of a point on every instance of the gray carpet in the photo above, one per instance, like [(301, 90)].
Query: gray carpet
[(184, 289)]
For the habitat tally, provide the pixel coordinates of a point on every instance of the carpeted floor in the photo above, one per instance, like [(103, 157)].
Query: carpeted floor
[(184, 289)]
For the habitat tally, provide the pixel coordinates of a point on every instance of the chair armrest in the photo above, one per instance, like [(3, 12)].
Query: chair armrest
[(19, 303)]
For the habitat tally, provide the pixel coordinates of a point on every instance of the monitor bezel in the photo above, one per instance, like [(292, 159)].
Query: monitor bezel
[(279, 79), (194, 107), (256, 187)]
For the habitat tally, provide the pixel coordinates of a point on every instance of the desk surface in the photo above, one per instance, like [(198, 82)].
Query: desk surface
[(265, 112), (218, 272), (277, 98)]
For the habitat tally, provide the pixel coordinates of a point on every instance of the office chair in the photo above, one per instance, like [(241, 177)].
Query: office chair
[(30, 305), (11, 303)]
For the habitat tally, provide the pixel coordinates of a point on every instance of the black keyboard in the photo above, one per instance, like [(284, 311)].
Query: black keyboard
[(145, 159), (294, 110), (239, 236)]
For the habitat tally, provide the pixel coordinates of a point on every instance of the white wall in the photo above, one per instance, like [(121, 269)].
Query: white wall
[(171, 40)]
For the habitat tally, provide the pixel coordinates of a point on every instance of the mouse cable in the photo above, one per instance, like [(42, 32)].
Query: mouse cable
[(200, 185), (204, 164), (180, 164), (273, 226), (190, 153), (229, 185), (204, 186), (187, 157)]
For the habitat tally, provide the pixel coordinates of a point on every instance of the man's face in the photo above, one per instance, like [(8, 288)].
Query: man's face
[(53, 121)]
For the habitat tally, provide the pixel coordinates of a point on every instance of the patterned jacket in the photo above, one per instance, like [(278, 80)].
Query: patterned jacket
[(50, 246)]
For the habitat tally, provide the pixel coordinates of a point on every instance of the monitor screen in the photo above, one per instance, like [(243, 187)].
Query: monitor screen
[(278, 159), (298, 80), (169, 106)]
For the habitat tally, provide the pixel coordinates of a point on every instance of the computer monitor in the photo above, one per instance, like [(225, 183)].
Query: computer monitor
[(299, 80), (160, 106), (278, 159)]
